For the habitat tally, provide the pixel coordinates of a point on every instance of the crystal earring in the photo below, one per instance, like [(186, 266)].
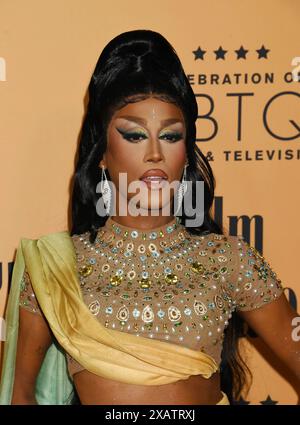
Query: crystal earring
[(181, 190), (106, 191)]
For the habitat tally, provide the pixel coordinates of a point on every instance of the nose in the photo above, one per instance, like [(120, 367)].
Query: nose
[(153, 151)]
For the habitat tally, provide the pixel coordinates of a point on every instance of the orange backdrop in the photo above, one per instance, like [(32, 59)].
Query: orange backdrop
[(242, 59)]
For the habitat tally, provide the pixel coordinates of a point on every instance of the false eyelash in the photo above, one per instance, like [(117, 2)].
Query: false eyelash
[(129, 136)]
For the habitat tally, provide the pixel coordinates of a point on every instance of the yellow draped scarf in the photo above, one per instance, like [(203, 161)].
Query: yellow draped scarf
[(51, 263)]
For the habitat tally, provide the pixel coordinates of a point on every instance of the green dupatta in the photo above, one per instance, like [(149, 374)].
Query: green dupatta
[(53, 385)]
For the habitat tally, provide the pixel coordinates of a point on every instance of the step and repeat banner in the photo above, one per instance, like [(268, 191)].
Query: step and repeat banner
[(242, 59)]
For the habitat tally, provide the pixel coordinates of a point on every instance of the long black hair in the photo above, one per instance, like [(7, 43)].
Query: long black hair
[(133, 66)]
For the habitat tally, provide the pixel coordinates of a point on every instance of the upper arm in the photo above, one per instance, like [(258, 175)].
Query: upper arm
[(34, 339), (274, 323), (260, 300)]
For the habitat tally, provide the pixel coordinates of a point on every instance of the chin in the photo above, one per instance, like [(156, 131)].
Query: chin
[(154, 200), (157, 207)]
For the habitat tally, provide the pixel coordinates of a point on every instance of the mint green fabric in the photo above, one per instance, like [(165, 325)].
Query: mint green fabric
[(53, 385)]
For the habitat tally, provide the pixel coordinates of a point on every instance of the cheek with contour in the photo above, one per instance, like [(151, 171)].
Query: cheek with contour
[(176, 161), (121, 158)]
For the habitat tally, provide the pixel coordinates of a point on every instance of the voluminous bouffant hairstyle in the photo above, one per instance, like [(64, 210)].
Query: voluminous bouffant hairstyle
[(133, 66)]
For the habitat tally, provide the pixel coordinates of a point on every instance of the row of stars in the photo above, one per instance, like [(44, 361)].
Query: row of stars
[(241, 53), (267, 401)]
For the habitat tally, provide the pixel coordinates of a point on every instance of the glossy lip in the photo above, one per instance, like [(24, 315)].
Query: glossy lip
[(154, 173), (155, 185)]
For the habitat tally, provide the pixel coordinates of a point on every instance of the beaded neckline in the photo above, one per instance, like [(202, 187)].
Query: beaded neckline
[(124, 232)]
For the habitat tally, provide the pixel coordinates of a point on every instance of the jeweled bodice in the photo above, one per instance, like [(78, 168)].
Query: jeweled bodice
[(164, 283), (168, 284)]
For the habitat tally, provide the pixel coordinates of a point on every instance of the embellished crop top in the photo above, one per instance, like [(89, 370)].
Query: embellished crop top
[(167, 284)]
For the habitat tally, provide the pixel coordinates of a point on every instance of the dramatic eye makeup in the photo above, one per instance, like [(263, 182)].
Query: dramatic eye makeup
[(135, 136), (138, 133)]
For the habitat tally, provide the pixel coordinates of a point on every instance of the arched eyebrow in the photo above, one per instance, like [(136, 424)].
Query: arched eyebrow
[(142, 121)]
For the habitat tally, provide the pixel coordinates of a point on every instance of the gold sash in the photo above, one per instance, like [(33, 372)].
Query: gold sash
[(123, 357)]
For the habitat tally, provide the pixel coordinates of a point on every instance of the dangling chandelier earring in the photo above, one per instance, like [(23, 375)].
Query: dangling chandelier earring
[(181, 190), (105, 190)]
